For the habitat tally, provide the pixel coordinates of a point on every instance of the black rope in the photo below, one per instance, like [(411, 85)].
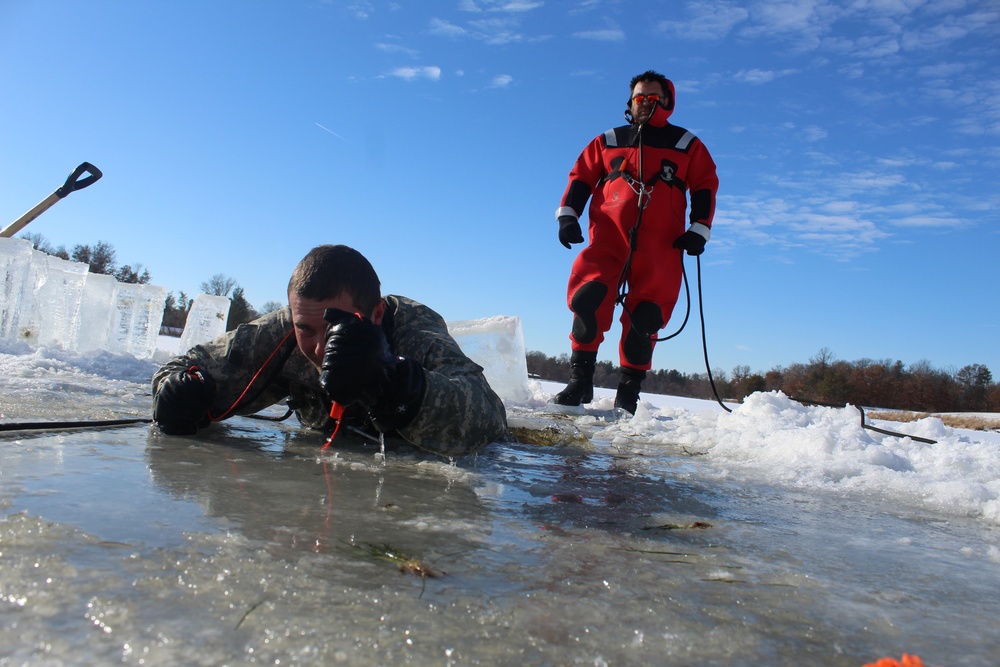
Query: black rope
[(715, 391), (62, 425), (104, 423), (864, 423), (623, 293), (270, 418), (633, 244), (704, 341)]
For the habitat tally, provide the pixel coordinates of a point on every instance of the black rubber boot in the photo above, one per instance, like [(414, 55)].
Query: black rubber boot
[(627, 397), (581, 380)]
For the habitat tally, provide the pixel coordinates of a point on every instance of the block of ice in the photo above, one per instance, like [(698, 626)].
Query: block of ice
[(28, 309), (15, 266), (136, 314), (206, 320), (57, 300), (496, 344), (94, 328), (45, 300)]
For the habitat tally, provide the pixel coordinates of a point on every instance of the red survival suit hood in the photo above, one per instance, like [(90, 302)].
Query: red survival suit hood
[(662, 112)]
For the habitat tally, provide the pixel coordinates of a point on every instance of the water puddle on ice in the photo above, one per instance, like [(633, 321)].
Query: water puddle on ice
[(250, 545)]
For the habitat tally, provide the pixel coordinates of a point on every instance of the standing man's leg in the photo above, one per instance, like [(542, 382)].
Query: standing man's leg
[(591, 297), (652, 294)]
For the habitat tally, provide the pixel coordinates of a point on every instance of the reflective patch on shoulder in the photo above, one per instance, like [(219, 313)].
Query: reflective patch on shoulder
[(685, 141), (610, 138)]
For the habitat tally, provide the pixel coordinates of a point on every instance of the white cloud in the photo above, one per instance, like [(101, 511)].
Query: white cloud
[(497, 22), (501, 30), (501, 81), (839, 229), (813, 133), (942, 70), (870, 180), (446, 29), (519, 6), (927, 221), (509, 6), (710, 20), (607, 35), (876, 47), (361, 9), (410, 73), (396, 48), (757, 76)]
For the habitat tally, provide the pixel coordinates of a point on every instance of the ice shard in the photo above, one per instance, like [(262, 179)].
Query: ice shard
[(206, 320), (57, 300), (136, 314), (15, 267), (94, 328), (496, 344)]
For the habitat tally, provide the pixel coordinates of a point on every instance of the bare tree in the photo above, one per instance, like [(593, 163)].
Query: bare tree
[(219, 285), (270, 307)]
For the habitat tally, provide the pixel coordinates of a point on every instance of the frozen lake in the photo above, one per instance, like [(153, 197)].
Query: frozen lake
[(248, 544)]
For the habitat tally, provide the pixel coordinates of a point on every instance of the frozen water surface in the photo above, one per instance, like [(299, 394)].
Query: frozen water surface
[(661, 540)]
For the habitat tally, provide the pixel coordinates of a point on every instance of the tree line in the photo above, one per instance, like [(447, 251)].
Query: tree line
[(101, 257), (883, 383), (870, 383)]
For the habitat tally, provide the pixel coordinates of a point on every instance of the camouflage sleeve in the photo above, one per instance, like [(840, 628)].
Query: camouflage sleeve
[(234, 359), (460, 413)]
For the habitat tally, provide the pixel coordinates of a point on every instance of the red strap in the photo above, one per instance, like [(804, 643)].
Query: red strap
[(252, 380), (336, 412)]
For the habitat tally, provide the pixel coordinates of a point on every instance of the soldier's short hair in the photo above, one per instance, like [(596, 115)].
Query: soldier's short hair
[(329, 271)]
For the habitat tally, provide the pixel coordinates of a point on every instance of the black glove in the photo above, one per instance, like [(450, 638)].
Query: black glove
[(356, 360), (359, 367), (569, 230), (182, 402), (693, 242), (404, 395)]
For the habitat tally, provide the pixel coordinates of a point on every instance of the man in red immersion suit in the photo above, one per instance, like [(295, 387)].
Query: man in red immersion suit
[(639, 178)]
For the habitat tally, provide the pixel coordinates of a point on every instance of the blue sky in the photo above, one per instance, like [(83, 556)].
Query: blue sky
[(858, 146)]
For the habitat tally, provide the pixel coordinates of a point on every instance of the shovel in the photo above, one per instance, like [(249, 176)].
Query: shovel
[(72, 184)]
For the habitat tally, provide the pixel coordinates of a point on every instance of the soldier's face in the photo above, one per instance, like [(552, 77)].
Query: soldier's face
[(310, 327)]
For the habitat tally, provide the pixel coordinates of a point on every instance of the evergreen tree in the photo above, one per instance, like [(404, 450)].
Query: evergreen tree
[(100, 258), (126, 274), (240, 310)]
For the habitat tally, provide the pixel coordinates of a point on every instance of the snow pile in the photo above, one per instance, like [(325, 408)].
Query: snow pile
[(772, 439)]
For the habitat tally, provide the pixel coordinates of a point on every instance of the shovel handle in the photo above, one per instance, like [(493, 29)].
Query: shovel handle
[(74, 182)]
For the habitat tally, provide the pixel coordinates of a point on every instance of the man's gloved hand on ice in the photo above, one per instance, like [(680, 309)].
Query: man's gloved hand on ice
[(182, 402)]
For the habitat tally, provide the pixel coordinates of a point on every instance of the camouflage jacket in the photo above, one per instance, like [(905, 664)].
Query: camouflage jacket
[(460, 413)]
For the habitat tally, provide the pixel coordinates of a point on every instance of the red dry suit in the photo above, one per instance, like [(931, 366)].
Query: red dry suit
[(674, 162)]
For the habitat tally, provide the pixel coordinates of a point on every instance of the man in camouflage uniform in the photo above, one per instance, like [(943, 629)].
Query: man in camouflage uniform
[(389, 362)]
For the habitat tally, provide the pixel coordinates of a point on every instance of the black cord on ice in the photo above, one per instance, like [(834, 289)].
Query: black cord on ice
[(704, 342), (715, 391), (59, 426), (865, 424), (104, 423)]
